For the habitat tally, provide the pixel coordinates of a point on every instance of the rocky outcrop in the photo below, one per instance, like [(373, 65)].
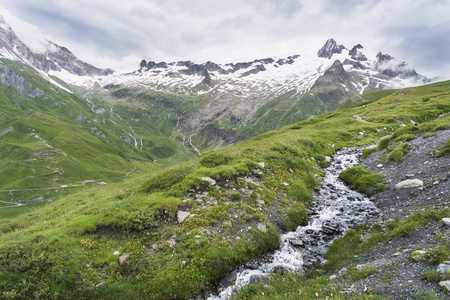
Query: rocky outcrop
[(330, 48)]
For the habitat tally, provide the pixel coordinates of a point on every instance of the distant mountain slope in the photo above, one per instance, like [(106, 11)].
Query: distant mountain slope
[(170, 112)]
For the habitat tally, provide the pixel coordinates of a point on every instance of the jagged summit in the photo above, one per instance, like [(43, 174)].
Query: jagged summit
[(54, 58), (330, 48)]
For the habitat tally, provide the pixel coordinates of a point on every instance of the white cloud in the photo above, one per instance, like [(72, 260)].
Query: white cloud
[(112, 33)]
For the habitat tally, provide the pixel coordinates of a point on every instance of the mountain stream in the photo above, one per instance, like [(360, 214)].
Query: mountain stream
[(335, 208)]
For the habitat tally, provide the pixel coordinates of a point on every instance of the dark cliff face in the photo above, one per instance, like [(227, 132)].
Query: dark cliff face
[(330, 48)]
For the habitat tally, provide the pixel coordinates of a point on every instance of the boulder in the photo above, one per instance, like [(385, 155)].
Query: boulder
[(409, 183), (182, 216)]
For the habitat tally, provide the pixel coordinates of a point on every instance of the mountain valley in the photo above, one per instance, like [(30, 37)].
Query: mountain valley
[(165, 182)]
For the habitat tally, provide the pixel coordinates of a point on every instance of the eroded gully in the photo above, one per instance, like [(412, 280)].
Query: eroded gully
[(335, 208)]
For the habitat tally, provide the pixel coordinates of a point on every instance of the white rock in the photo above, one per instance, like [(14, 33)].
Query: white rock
[(445, 285), (413, 123), (380, 166), (262, 227), (209, 180), (182, 215), (446, 221), (443, 268), (409, 183), (327, 159), (285, 183), (262, 165), (116, 253), (332, 277)]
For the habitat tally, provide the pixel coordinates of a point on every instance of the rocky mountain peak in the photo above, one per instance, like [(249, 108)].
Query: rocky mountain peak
[(356, 54), (330, 48), (54, 58)]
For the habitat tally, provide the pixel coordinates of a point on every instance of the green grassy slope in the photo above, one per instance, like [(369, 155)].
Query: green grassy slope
[(50, 137), (65, 249)]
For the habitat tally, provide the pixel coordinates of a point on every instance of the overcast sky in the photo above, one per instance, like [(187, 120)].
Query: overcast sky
[(120, 33)]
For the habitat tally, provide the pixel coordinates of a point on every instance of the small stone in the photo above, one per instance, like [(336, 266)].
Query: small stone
[(413, 123), (396, 254), (186, 262), (343, 271), (262, 165), (332, 277), (100, 284), (116, 253), (123, 259), (290, 170), (285, 183), (379, 165), (409, 183), (182, 216), (296, 243), (327, 159), (262, 227)]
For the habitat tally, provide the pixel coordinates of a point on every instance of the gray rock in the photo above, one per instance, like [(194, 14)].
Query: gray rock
[(182, 216), (343, 271), (209, 180), (227, 281), (296, 243), (443, 268), (262, 227), (123, 259), (409, 183), (445, 285), (446, 221)]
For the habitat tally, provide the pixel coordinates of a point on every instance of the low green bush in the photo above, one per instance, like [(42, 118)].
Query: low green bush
[(214, 159), (444, 150), (398, 152), (297, 216), (367, 151), (362, 180)]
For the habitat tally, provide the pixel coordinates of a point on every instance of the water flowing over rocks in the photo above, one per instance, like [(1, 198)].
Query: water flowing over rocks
[(334, 210)]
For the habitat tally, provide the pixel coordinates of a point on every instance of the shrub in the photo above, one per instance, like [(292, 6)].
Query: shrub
[(444, 150), (297, 216), (266, 241), (362, 180), (214, 159), (166, 179), (430, 275), (384, 143), (397, 153), (366, 152)]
